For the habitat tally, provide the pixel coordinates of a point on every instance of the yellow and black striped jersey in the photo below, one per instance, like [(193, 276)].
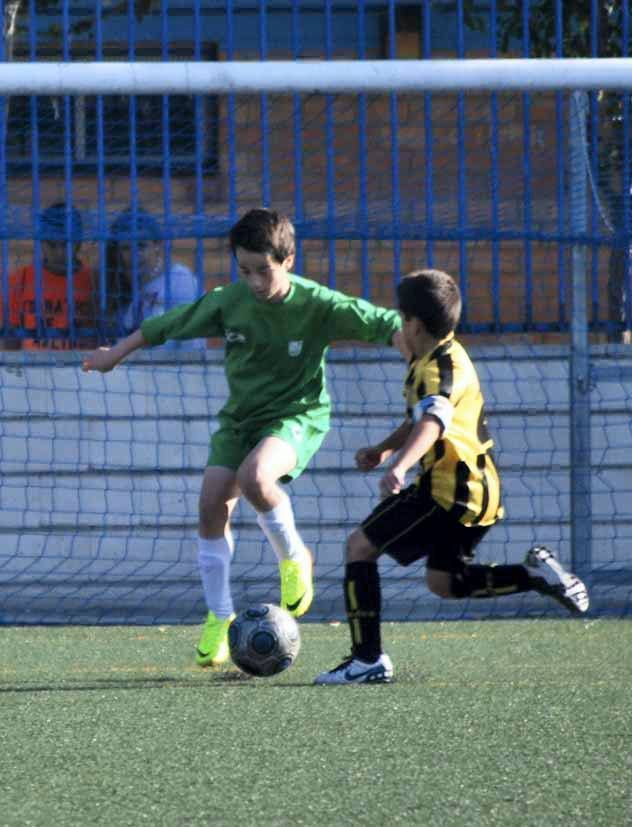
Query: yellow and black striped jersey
[(459, 469)]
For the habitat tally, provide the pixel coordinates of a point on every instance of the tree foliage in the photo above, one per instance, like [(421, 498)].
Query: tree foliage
[(582, 29)]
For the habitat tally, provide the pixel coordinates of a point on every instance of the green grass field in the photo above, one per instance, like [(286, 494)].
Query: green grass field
[(493, 723)]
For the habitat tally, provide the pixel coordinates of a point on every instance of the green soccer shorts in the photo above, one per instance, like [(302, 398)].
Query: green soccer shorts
[(230, 445)]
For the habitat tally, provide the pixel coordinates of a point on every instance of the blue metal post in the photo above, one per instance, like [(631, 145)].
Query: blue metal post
[(329, 143), (133, 172), (232, 140), (35, 174), (264, 118), (526, 166), (428, 161), (560, 154), (461, 174), (362, 151), (297, 122), (580, 474), (104, 287), (201, 121), (594, 164), (395, 191), (493, 50), (166, 160), (68, 190), (627, 193)]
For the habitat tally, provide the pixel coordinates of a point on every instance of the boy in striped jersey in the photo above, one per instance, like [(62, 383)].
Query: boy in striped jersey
[(455, 499)]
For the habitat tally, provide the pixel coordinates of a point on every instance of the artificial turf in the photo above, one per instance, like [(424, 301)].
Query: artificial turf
[(488, 723)]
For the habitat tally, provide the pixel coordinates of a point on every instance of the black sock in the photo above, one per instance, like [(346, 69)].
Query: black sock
[(490, 580), (363, 602)]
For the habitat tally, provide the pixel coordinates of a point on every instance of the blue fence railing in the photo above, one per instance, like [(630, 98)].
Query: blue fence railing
[(477, 184)]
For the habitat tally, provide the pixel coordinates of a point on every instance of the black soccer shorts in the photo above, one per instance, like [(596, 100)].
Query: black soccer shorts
[(410, 525)]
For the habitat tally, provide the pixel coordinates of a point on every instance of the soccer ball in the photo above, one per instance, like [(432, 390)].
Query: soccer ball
[(263, 640)]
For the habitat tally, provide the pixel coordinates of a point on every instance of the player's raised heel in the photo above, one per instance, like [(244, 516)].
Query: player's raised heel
[(354, 671), (555, 581), (213, 646), (297, 588)]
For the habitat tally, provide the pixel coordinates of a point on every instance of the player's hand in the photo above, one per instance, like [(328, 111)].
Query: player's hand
[(369, 458), (103, 360), (392, 482)]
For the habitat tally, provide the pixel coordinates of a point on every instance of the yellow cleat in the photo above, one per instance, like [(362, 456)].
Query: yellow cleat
[(213, 646), (297, 588)]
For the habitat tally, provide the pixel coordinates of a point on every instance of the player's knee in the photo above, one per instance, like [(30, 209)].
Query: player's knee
[(253, 479), (439, 583), (213, 516), (359, 548), (212, 520)]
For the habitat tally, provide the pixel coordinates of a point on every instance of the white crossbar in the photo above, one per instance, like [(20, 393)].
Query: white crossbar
[(88, 78)]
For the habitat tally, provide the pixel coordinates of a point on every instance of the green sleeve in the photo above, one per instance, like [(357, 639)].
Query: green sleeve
[(188, 321), (359, 320)]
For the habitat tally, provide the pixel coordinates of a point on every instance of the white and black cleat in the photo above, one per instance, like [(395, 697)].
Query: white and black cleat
[(354, 671), (555, 581)]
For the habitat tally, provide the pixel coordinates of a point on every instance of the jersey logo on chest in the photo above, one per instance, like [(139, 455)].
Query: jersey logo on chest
[(235, 336), (295, 348)]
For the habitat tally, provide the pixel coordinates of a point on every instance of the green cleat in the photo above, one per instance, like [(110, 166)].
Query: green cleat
[(297, 588), (213, 646)]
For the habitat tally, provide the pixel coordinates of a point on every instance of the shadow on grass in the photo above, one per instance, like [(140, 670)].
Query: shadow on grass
[(211, 681)]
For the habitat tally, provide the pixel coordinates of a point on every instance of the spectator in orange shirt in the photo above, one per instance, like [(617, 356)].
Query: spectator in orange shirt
[(54, 234)]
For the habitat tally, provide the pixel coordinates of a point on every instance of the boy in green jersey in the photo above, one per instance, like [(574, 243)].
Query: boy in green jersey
[(277, 327)]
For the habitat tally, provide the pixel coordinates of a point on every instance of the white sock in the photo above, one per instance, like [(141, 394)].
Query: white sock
[(214, 558), (278, 526)]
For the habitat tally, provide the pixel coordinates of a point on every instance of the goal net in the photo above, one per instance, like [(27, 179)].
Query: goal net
[(507, 189)]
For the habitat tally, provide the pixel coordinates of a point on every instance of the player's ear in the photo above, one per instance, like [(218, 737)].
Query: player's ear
[(288, 262), (419, 328)]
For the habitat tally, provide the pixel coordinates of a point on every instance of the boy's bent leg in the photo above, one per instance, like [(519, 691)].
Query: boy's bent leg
[(451, 574), (259, 474), (363, 599), (272, 459), (498, 580), (484, 580)]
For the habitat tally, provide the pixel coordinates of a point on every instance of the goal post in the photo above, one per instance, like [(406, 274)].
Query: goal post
[(485, 168), (323, 76)]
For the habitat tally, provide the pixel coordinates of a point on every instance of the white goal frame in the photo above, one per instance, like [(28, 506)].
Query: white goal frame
[(288, 77)]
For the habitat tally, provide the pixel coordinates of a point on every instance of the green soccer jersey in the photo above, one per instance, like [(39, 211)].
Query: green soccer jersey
[(275, 352)]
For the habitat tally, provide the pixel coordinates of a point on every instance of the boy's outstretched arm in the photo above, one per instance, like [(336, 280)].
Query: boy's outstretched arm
[(422, 437), (106, 358)]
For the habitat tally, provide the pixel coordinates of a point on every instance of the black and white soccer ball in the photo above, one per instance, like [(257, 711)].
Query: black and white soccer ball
[(264, 640)]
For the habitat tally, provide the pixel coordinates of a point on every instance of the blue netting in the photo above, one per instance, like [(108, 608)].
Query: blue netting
[(100, 476)]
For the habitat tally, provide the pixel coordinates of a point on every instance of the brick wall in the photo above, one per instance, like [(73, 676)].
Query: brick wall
[(340, 180)]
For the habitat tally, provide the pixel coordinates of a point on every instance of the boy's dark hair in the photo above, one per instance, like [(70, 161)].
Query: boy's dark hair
[(433, 297), (264, 231), (54, 226)]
